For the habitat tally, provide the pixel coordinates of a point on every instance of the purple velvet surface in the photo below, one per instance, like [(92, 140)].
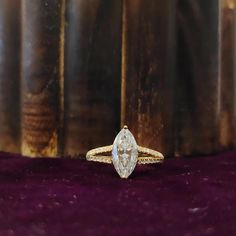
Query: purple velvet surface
[(75, 197)]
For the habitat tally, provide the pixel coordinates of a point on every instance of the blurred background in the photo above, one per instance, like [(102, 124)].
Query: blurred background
[(72, 72)]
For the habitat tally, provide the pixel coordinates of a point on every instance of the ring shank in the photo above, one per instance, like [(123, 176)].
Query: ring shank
[(146, 155)]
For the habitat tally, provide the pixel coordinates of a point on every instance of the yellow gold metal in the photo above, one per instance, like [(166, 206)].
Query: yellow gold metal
[(146, 155)]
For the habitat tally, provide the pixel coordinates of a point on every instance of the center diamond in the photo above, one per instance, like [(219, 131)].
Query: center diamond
[(124, 153)]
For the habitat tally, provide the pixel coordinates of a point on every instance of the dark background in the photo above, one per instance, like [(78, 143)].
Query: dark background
[(72, 72)]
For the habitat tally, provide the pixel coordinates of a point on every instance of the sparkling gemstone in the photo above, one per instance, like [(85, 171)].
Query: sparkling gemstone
[(124, 153)]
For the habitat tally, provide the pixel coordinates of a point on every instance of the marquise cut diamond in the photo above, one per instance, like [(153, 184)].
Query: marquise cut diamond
[(124, 153)]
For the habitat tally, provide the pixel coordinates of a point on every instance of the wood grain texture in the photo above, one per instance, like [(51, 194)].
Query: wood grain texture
[(148, 72), (9, 75), (228, 75), (92, 74), (41, 45), (198, 83), (119, 69)]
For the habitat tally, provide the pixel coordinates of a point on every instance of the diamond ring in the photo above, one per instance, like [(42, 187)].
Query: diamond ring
[(124, 154)]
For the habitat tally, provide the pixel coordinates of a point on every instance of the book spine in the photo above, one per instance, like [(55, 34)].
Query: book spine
[(228, 75), (148, 67), (41, 76), (198, 83), (92, 74), (9, 75)]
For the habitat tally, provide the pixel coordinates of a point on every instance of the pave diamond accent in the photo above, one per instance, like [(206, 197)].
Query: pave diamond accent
[(124, 153)]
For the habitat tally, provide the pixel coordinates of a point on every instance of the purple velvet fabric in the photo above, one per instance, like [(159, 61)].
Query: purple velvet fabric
[(74, 197)]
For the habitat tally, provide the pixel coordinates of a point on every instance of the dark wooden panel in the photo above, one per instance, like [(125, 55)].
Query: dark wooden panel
[(41, 47), (92, 74), (9, 75), (148, 72), (198, 84), (228, 73)]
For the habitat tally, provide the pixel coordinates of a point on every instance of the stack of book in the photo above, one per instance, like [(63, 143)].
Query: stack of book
[(72, 72)]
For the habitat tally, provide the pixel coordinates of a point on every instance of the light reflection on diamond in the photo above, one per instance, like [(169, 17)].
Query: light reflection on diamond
[(124, 153)]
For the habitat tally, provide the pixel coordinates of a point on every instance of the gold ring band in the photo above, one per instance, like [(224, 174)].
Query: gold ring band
[(146, 155), (124, 154)]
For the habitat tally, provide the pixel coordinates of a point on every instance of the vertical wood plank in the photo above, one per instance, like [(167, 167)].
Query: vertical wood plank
[(92, 74), (148, 72), (9, 75), (198, 84), (228, 74), (41, 47)]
